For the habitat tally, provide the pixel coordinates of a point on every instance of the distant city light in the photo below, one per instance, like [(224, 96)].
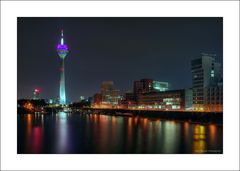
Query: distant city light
[(36, 94), (28, 106)]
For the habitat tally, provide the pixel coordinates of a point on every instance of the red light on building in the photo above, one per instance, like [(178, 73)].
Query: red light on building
[(36, 94), (37, 90)]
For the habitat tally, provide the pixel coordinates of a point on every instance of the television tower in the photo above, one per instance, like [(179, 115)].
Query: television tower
[(62, 50)]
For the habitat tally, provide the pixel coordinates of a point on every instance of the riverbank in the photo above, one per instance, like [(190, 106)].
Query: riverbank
[(193, 117), (190, 116)]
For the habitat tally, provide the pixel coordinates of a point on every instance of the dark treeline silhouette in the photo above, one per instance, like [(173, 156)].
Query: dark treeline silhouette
[(81, 104)]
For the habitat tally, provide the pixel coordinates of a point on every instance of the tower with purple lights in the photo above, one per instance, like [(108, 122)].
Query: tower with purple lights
[(62, 50)]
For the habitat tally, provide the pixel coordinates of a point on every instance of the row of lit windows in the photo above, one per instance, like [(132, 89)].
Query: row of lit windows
[(161, 96), (158, 107)]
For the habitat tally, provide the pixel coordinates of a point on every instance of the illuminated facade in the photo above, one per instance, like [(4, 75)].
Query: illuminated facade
[(166, 100), (206, 74), (160, 86), (214, 100), (109, 97), (62, 50), (149, 85)]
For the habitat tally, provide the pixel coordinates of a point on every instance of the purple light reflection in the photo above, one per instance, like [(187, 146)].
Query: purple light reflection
[(63, 145)]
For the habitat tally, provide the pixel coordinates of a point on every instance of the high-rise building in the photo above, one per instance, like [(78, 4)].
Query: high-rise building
[(62, 50), (142, 86), (205, 73), (149, 85), (106, 90), (108, 96)]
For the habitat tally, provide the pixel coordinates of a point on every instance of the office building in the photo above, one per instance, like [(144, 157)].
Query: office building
[(142, 86), (214, 101), (166, 100), (108, 97), (149, 85), (206, 73)]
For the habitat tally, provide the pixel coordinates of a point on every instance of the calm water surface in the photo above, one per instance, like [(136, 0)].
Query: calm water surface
[(85, 134)]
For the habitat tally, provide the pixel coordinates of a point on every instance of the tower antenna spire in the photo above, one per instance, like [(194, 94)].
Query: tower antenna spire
[(62, 40)]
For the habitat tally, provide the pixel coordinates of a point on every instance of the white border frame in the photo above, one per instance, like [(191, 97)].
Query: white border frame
[(11, 10)]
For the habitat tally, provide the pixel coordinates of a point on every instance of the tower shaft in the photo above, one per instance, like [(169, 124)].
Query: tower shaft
[(62, 84)]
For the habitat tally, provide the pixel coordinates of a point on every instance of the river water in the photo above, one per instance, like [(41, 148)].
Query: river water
[(64, 133)]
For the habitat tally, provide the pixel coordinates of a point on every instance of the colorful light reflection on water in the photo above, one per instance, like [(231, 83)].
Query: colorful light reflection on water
[(79, 133)]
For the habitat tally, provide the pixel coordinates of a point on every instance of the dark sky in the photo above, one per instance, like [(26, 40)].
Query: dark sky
[(117, 49)]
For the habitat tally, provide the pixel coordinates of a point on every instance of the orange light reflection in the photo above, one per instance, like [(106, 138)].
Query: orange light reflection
[(199, 143)]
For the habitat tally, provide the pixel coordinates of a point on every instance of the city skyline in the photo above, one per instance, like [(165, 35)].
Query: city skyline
[(154, 79), (117, 49)]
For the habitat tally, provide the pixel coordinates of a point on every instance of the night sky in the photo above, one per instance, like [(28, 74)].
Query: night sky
[(117, 49)]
